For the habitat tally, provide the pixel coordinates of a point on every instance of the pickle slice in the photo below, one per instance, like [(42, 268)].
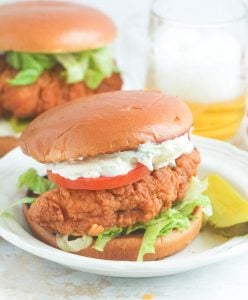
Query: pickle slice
[(229, 207), (232, 231)]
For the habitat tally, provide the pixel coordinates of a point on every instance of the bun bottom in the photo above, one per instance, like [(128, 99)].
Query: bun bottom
[(7, 143), (127, 247)]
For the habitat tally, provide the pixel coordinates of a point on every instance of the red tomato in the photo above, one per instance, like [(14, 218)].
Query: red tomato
[(100, 183)]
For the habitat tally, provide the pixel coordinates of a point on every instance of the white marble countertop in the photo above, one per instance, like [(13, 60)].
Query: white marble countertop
[(25, 276)]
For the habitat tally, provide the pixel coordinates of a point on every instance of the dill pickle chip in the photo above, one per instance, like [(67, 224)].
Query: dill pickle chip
[(232, 231), (229, 207)]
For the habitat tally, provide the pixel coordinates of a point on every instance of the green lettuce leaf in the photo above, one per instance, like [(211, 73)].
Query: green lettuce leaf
[(188, 208), (18, 125), (102, 61), (45, 61), (160, 226), (149, 239), (106, 236), (25, 77), (14, 60), (30, 66), (93, 78), (75, 66), (7, 215), (27, 200), (195, 198), (35, 183), (91, 66), (196, 188), (28, 62)]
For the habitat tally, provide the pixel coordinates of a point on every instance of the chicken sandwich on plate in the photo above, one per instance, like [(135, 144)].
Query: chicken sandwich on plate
[(120, 181)]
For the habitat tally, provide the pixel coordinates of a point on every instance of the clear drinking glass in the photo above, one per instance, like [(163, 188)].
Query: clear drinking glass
[(198, 52)]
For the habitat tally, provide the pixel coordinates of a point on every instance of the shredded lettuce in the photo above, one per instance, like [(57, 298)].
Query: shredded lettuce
[(176, 218), (30, 66), (18, 125), (102, 61), (75, 245), (25, 77), (7, 215), (35, 183), (196, 188), (160, 226), (91, 66), (93, 78), (195, 198), (14, 59), (106, 236), (27, 200), (75, 66), (200, 200)]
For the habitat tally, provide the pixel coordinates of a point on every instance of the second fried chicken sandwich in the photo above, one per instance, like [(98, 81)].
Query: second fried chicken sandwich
[(52, 52), (121, 176)]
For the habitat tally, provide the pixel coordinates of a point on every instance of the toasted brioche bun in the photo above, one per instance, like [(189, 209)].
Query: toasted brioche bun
[(50, 26), (105, 123), (7, 144), (127, 247)]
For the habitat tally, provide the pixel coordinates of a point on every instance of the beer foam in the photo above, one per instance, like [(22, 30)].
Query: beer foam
[(198, 65)]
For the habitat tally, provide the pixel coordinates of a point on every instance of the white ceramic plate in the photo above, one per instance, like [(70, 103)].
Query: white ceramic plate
[(208, 248)]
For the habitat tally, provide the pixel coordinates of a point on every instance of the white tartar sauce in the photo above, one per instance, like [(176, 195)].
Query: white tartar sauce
[(153, 156)]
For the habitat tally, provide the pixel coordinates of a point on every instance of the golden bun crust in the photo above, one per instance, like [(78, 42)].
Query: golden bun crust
[(127, 247), (50, 26), (105, 123), (7, 143)]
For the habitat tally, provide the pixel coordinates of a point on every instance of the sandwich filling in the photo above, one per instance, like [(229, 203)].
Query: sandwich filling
[(162, 200)]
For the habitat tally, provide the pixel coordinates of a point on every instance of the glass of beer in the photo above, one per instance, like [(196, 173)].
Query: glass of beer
[(198, 53)]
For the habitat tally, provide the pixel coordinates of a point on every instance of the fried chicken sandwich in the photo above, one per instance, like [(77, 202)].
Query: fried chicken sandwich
[(51, 52), (120, 181)]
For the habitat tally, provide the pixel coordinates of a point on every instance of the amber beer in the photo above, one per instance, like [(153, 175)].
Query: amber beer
[(220, 120)]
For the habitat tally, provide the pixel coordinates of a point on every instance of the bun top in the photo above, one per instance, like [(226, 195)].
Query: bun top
[(50, 26), (105, 123)]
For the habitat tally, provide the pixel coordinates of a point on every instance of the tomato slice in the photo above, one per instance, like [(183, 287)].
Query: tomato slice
[(100, 183)]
